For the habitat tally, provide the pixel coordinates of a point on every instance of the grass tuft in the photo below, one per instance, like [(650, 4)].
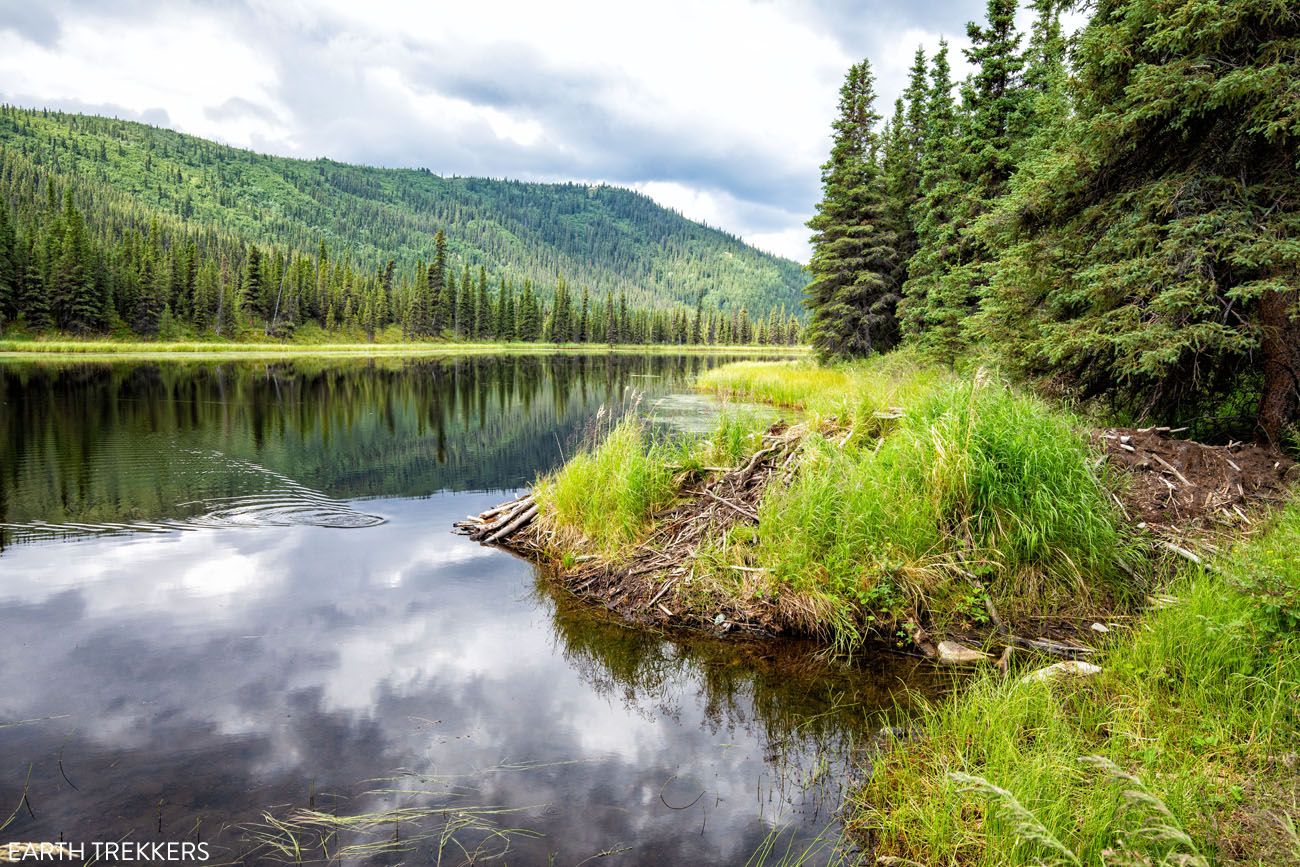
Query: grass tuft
[(607, 494), (978, 490), (1192, 722)]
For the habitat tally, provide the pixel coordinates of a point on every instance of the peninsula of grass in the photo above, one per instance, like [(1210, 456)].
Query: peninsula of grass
[(908, 501), (903, 496)]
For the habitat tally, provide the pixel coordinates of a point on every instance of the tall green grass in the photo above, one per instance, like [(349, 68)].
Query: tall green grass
[(931, 497), (606, 494), (979, 490), (1191, 720)]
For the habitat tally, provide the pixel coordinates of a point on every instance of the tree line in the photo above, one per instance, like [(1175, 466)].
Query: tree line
[(1115, 213), (611, 240), (152, 276)]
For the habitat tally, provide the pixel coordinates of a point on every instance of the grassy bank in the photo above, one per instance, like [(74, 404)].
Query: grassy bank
[(926, 499), (921, 499), (15, 348), (1182, 751), (603, 498), (942, 495)]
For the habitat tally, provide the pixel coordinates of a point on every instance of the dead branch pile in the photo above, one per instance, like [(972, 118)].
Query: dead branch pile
[(1178, 485), (641, 585)]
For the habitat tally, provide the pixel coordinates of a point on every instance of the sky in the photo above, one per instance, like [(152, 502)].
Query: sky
[(720, 109)]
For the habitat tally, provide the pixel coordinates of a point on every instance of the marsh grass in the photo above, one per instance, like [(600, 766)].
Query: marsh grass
[(829, 847), (605, 494), (850, 392), (1190, 723), (978, 490), (462, 835)]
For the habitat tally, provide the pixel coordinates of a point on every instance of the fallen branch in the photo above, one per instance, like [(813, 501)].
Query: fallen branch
[(1052, 648), (748, 514)]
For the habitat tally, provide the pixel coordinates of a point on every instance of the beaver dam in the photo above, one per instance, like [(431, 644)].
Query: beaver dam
[(1174, 496)]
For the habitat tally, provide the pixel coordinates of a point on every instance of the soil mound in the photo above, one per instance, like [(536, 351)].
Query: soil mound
[(1178, 486)]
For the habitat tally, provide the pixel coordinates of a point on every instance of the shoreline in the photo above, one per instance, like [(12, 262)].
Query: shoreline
[(14, 350), (1193, 645)]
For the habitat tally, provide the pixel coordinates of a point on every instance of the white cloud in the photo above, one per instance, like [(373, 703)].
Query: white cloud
[(721, 109)]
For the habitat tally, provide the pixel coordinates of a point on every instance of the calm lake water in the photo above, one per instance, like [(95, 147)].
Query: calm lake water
[(233, 612)]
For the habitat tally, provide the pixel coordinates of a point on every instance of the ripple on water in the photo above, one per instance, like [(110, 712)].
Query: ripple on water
[(193, 489)]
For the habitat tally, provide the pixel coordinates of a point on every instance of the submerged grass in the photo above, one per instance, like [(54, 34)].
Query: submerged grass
[(1183, 751)]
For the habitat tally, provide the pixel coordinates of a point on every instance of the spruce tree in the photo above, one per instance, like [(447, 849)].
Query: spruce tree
[(34, 300), (852, 295), (992, 99), (437, 285), (1149, 253), (482, 308), (584, 319), (932, 214), (904, 145), (8, 268), (465, 305)]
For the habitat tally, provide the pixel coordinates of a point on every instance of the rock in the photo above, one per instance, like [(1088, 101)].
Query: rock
[(1062, 670), (952, 653)]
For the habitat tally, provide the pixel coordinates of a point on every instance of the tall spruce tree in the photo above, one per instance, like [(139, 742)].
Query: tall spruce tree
[(904, 146), (1150, 253), (936, 235), (992, 100), (437, 285), (852, 294), (8, 267)]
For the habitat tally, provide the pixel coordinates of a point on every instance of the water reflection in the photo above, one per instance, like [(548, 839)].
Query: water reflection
[(116, 446), (177, 685)]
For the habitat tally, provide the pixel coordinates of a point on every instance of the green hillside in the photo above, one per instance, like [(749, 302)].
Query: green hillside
[(601, 238)]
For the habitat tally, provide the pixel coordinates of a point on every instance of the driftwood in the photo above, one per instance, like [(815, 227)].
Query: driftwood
[(1052, 648), (642, 585)]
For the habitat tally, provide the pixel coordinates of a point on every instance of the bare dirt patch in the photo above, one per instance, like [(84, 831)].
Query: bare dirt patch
[(1178, 486)]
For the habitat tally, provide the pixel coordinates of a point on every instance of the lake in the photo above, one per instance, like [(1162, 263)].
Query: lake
[(234, 613)]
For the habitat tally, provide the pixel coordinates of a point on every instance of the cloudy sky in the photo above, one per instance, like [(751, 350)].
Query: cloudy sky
[(718, 108)]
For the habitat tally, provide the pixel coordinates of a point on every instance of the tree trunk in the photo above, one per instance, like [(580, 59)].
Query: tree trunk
[(1280, 347)]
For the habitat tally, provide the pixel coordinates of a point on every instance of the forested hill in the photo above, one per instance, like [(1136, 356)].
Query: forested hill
[(605, 239)]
